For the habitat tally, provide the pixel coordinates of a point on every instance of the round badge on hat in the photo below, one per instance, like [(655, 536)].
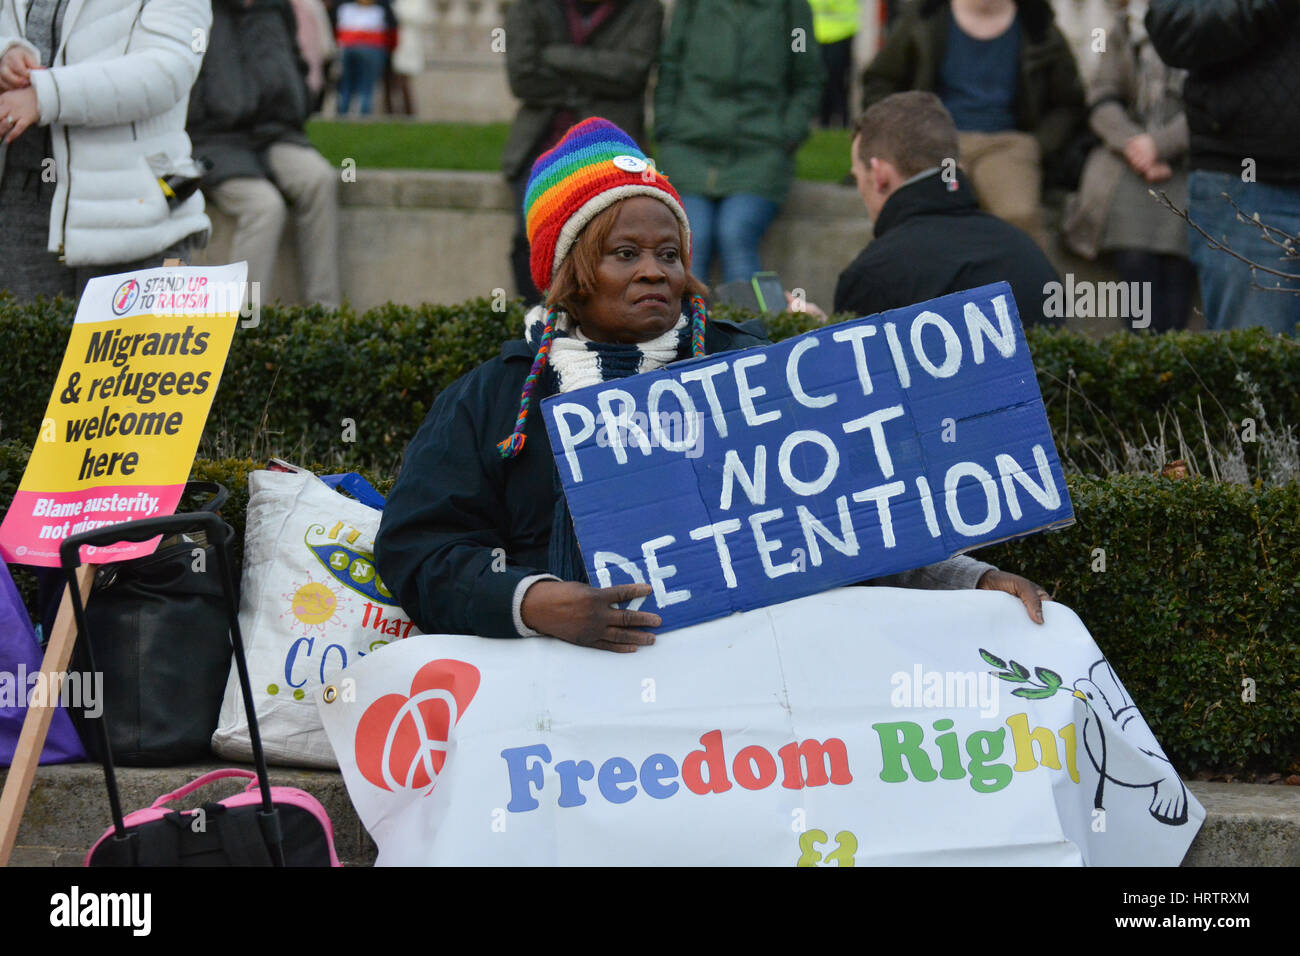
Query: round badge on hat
[(631, 164)]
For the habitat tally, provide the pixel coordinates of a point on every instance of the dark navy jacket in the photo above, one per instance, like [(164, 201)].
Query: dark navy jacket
[(462, 526)]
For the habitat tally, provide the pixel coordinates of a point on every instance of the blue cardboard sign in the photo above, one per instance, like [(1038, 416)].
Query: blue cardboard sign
[(743, 479)]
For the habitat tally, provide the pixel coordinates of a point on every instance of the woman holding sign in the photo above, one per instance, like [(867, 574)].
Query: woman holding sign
[(476, 536)]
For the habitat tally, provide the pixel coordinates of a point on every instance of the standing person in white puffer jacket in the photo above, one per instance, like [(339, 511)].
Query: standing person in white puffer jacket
[(93, 98)]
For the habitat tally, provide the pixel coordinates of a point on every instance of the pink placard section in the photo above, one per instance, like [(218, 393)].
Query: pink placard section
[(51, 517)]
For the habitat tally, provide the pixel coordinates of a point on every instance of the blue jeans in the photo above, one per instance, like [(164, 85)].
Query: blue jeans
[(1226, 283), (362, 68), (735, 225)]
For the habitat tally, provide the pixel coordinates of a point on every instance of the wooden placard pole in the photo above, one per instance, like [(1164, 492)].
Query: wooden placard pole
[(36, 724)]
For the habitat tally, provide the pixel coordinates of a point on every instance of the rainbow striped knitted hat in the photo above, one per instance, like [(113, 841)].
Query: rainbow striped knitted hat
[(592, 167)]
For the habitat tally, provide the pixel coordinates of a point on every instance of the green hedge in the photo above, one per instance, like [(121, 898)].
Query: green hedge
[(291, 382), (1198, 593)]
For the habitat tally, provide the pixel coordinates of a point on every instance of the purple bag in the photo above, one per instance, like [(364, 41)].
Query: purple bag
[(20, 657)]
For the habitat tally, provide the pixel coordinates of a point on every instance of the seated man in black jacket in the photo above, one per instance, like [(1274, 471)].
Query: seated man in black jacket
[(931, 237)]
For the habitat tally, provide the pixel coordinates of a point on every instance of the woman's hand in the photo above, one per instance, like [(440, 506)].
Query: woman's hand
[(583, 615), (15, 67), (1158, 172), (1030, 594), (1141, 153), (18, 110)]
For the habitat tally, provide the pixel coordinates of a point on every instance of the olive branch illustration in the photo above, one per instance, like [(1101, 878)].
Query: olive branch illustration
[(1049, 682)]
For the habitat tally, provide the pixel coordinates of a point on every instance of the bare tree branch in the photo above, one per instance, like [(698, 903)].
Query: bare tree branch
[(1266, 230), (1163, 199)]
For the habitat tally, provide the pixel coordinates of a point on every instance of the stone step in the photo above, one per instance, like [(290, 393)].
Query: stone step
[(68, 807), (1246, 824)]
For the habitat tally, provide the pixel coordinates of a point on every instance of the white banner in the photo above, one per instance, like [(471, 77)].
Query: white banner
[(862, 726)]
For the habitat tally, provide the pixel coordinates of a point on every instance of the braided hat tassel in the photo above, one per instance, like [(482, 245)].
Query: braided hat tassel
[(511, 446), (699, 317)]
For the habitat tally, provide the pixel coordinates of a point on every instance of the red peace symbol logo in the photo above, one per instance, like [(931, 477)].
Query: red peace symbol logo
[(401, 742)]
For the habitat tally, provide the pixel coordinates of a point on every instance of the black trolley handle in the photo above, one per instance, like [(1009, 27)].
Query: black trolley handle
[(218, 534), (218, 491)]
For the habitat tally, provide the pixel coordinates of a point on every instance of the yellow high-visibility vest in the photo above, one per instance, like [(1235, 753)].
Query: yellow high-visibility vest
[(834, 20)]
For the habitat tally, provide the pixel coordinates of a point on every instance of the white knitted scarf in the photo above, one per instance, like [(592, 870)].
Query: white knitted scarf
[(577, 361)]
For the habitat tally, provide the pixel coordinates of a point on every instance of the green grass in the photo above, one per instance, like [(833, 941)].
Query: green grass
[(378, 145), (411, 145), (824, 156)]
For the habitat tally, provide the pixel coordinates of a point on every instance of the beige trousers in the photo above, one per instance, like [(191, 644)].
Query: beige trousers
[(309, 183), (1007, 173)]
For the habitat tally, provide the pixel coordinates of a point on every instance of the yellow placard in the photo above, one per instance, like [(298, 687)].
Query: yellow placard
[(143, 362)]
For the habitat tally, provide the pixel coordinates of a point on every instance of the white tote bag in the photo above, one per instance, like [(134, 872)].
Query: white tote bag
[(311, 602)]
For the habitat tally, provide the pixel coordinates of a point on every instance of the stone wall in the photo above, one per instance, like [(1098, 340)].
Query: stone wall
[(444, 236)]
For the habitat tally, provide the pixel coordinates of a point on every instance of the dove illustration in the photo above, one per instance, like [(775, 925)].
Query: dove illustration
[(1111, 712)]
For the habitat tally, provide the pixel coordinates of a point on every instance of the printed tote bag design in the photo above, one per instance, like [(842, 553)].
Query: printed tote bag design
[(311, 602)]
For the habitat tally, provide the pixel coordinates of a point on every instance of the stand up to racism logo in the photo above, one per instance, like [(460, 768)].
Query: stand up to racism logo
[(125, 296)]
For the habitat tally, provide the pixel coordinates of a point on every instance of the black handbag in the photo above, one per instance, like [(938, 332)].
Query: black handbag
[(266, 826), (158, 632)]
